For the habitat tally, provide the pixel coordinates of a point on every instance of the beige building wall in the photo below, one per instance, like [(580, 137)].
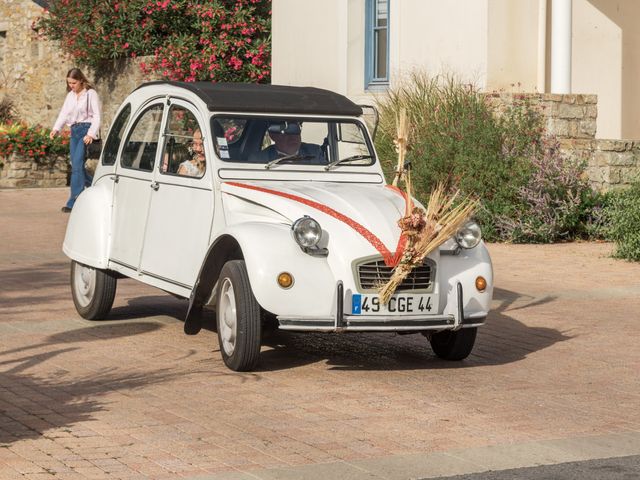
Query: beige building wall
[(492, 43), (310, 43), (440, 37), (606, 42), (321, 42), (512, 45)]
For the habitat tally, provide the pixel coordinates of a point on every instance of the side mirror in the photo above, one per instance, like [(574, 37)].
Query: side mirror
[(371, 117)]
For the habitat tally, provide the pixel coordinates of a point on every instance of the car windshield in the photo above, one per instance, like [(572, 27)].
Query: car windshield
[(277, 142)]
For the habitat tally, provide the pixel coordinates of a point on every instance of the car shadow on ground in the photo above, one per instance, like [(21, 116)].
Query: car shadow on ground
[(151, 306), (502, 340)]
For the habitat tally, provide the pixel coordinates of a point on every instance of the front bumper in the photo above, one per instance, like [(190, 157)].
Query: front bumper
[(381, 323)]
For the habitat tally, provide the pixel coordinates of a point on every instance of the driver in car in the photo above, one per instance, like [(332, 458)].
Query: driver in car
[(287, 141)]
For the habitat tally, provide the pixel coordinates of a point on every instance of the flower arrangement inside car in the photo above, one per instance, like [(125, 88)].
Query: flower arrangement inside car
[(289, 220)]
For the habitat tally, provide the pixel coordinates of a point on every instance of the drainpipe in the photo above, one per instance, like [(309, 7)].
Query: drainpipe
[(561, 46), (542, 46)]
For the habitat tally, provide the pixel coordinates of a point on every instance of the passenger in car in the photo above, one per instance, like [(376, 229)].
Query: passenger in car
[(288, 141), (195, 166)]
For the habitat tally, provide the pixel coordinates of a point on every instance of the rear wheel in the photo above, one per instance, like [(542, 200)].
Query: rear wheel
[(93, 291), (454, 345), (238, 318)]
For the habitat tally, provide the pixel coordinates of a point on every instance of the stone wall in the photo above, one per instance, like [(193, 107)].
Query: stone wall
[(566, 116), (124, 77), (572, 119), (611, 163), (18, 171), (33, 70)]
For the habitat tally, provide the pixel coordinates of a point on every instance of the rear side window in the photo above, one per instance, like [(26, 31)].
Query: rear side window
[(115, 136), (185, 144), (142, 144)]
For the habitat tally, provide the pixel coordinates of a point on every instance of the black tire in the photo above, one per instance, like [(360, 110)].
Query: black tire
[(238, 318), (454, 345), (93, 291)]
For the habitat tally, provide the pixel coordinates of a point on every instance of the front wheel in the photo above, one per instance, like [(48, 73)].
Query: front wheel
[(93, 291), (454, 345), (238, 318)]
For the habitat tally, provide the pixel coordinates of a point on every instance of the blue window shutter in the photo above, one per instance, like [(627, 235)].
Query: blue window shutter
[(376, 53)]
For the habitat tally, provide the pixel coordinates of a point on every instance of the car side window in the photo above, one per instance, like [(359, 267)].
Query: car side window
[(142, 144), (184, 146), (115, 136)]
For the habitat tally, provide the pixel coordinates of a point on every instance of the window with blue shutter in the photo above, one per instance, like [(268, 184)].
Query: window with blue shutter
[(377, 43)]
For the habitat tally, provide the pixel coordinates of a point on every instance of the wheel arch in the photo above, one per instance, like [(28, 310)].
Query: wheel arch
[(223, 249)]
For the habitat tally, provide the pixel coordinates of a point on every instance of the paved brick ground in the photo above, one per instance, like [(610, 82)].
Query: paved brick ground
[(133, 397)]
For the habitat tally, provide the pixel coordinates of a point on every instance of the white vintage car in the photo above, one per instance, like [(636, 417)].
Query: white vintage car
[(267, 203)]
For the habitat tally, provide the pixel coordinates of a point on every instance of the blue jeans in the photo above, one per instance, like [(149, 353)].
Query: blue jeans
[(80, 179)]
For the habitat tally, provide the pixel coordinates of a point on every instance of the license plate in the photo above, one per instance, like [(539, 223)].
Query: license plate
[(399, 304)]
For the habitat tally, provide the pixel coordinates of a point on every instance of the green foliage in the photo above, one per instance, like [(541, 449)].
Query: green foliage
[(528, 191), (31, 142), (218, 40), (622, 211), (456, 139)]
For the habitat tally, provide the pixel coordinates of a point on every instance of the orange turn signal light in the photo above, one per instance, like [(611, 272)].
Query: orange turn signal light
[(285, 280), (481, 284)]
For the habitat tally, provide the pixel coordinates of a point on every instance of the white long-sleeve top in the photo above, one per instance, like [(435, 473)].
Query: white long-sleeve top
[(81, 108)]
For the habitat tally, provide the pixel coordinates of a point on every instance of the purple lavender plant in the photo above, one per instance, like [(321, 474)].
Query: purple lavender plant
[(552, 203)]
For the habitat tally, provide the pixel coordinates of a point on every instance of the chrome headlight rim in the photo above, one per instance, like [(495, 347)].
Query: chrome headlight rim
[(307, 232), (469, 235)]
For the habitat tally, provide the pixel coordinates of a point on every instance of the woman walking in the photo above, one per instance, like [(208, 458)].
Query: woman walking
[(81, 112)]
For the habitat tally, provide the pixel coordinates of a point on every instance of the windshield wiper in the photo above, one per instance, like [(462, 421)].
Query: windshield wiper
[(348, 159), (295, 156)]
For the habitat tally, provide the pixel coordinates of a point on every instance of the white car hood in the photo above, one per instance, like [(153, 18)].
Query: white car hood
[(368, 211)]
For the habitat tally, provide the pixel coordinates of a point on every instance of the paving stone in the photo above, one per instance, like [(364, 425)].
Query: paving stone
[(555, 369)]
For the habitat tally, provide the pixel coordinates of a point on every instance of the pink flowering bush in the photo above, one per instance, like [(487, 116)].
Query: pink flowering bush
[(216, 40)]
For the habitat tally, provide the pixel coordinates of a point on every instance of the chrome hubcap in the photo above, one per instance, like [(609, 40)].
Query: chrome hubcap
[(84, 282), (228, 321)]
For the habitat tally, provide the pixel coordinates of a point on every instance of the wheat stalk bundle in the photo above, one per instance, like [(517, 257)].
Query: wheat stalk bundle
[(425, 230), (400, 142)]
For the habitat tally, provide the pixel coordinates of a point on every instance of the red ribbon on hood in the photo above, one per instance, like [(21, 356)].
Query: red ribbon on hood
[(390, 259)]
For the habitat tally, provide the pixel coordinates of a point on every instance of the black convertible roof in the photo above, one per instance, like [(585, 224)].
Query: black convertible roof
[(256, 98)]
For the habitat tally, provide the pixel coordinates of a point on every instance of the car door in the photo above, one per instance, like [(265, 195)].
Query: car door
[(181, 209), (134, 177)]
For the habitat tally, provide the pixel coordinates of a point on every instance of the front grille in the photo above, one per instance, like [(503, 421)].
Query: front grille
[(372, 275)]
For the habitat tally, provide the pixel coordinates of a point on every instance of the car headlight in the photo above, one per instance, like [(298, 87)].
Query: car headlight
[(307, 232), (469, 235)]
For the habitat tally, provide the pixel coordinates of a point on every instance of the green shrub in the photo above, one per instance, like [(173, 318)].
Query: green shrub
[(456, 139), (623, 217), (528, 192)]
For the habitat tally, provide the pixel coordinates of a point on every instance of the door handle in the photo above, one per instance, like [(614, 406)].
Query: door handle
[(155, 186)]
